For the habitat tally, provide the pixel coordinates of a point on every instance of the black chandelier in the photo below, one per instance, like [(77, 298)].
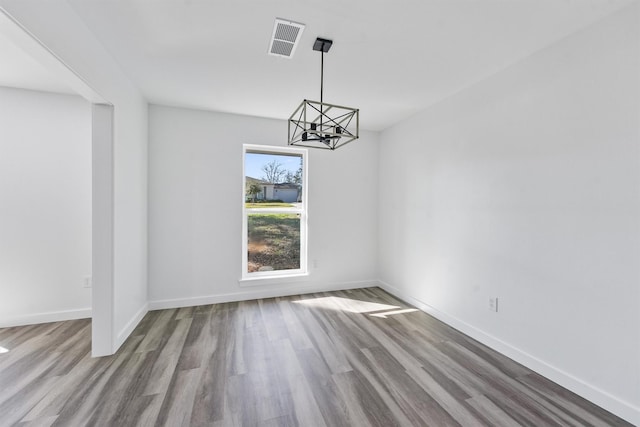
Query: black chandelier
[(320, 125)]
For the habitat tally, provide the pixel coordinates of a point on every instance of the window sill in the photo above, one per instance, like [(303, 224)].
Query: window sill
[(273, 280)]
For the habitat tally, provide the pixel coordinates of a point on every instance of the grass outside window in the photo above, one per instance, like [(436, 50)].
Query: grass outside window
[(273, 242)]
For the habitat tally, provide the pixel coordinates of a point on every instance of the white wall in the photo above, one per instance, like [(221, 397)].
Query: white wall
[(526, 187), (195, 208), (45, 207), (59, 28)]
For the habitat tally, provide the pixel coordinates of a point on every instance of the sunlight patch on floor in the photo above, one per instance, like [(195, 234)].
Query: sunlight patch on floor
[(391, 313), (3, 350), (346, 304)]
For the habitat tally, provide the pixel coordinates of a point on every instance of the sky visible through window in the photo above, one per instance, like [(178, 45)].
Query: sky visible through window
[(254, 161)]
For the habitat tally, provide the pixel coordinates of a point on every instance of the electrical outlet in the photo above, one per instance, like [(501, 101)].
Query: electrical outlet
[(493, 304), (87, 282)]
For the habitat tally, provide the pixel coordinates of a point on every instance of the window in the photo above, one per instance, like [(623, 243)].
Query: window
[(274, 212)]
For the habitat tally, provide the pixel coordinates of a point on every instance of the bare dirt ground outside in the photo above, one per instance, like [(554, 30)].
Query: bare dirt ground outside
[(274, 242)]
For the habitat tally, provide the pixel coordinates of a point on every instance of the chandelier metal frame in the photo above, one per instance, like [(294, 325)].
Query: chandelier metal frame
[(321, 125)]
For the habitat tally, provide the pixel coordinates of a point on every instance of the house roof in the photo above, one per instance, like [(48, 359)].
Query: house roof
[(250, 180), (287, 185)]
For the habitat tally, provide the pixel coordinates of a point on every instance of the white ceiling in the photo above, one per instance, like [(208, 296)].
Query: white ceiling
[(389, 58), (20, 70)]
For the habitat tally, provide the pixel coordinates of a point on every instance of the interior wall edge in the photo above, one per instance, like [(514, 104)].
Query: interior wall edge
[(48, 317), (258, 294), (626, 410), (130, 326)]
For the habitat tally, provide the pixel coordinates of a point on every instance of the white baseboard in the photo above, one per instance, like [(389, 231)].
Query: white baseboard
[(130, 326), (52, 316), (619, 407), (255, 293)]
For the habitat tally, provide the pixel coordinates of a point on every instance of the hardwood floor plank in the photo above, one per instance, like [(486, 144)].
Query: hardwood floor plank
[(185, 313), (322, 342), (240, 321), (496, 416), (419, 407), (20, 354), (39, 422), (351, 358), (499, 383), (22, 376), (83, 402), (122, 388), (12, 338), (570, 403), (378, 399), (273, 320), (265, 382), (363, 396), (198, 343), (318, 376), (527, 412), (178, 402), (305, 406), (455, 408), (296, 332), (51, 405), (372, 326), (283, 421), (138, 411), (155, 335), (167, 360), (14, 408), (452, 375), (356, 413)]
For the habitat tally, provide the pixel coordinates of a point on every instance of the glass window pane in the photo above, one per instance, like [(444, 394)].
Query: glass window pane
[(273, 242), (272, 180)]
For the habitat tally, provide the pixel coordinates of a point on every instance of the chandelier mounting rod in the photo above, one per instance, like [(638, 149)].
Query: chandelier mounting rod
[(321, 76)]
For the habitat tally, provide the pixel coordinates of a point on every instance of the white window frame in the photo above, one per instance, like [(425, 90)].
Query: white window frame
[(263, 276)]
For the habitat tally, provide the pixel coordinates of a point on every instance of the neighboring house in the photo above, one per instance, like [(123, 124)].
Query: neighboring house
[(287, 192)]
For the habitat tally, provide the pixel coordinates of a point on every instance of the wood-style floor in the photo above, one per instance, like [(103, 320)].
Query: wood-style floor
[(351, 358)]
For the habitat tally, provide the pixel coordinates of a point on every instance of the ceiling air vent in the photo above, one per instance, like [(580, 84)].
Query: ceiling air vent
[(285, 38)]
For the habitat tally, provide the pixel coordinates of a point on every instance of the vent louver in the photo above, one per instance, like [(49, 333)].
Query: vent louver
[(285, 37)]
